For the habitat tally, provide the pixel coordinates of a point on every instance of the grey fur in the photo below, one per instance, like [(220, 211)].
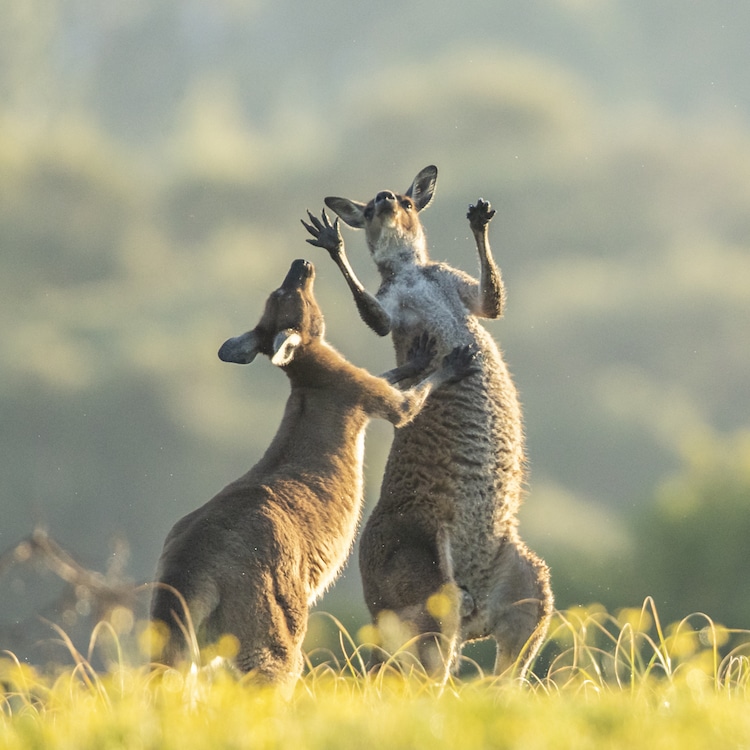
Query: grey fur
[(446, 518), (253, 559)]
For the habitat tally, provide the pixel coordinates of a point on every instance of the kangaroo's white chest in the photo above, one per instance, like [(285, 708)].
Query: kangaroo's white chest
[(421, 299), (409, 298)]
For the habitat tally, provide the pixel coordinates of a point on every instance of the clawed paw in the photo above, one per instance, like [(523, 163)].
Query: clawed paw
[(325, 235), (462, 361), (422, 351), (480, 215)]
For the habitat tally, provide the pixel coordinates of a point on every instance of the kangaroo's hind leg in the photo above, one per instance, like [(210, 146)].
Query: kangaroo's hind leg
[(410, 591), (270, 633), (520, 605)]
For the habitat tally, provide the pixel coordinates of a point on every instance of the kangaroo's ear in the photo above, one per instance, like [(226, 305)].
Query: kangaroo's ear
[(285, 345), (423, 187), (352, 212), (240, 350)]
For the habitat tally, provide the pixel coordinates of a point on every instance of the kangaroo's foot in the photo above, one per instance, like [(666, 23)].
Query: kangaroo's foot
[(466, 603)]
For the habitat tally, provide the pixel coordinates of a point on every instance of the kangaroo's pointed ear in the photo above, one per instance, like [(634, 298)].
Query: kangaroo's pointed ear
[(240, 350), (285, 345), (423, 187), (352, 212)]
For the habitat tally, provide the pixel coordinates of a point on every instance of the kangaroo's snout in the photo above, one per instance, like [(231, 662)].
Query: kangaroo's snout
[(300, 272), (386, 204)]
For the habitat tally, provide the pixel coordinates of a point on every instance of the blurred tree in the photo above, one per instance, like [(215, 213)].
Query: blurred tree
[(691, 546), (155, 160)]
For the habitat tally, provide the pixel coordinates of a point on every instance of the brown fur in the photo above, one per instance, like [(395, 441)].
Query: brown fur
[(446, 518), (253, 559)]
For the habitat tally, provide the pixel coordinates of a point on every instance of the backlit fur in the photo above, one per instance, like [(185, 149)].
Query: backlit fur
[(446, 518), (251, 561)]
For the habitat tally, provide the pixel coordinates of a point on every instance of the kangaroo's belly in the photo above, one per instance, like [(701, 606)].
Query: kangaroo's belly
[(417, 303), (461, 459)]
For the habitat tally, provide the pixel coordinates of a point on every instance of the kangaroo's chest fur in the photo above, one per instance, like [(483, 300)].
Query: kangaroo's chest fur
[(425, 297)]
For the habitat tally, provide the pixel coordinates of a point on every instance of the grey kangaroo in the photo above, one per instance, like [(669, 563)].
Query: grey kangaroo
[(253, 559), (446, 517)]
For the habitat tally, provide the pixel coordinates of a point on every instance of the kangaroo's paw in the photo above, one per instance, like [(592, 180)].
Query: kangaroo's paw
[(422, 351), (480, 215), (462, 362), (325, 235)]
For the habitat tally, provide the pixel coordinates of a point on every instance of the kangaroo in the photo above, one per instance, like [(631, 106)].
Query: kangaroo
[(251, 561), (446, 518)]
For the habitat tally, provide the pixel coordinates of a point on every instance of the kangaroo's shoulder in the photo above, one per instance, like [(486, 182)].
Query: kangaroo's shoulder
[(337, 374)]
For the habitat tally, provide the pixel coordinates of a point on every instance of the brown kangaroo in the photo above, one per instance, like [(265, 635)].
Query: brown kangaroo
[(253, 559), (446, 518)]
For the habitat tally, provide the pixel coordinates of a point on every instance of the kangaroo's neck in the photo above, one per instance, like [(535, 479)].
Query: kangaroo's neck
[(315, 366), (394, 251), (322, 419)]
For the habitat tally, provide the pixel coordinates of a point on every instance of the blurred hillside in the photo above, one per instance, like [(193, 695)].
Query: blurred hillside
[(155, 160)]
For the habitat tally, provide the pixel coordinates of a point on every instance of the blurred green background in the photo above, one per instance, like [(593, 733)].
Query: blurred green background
[(155, 160)]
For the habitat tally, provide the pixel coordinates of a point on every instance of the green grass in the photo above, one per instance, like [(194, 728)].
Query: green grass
[(601, 681)]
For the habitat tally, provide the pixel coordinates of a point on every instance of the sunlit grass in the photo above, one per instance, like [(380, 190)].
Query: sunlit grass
[(601, 680)]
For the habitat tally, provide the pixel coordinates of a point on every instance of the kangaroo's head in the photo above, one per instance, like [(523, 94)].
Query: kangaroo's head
[(391, 220), (291, 320)]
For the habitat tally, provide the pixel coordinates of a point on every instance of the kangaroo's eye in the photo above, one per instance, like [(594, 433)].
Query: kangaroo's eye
[(407, 205), (369, 210)]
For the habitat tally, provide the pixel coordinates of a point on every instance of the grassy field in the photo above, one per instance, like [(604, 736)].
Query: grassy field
[(601, 681)]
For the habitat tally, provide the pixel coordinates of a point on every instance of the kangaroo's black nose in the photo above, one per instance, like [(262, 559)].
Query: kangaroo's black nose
[(384, 195), (299, 272)]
